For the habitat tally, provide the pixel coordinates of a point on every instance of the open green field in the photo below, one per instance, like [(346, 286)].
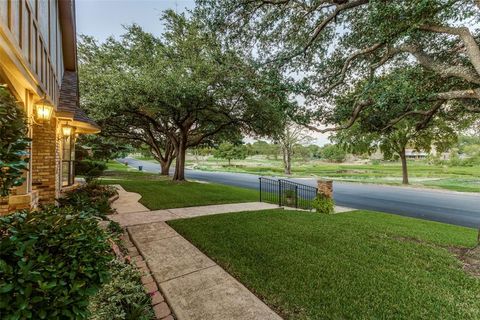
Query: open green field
[(420, 173), (160, 193), (358, 265)]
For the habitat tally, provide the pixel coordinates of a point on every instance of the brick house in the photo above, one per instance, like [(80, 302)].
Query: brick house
[(38, 64)]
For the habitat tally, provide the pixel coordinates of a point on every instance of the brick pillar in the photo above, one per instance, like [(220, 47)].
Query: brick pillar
[(4, 209), (45, 159), (325, 187)]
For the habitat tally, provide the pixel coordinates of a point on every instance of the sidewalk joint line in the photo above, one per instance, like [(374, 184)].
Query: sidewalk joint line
[(188, 273)]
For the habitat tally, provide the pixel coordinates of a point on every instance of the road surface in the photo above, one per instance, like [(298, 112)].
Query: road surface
[(452, 207)]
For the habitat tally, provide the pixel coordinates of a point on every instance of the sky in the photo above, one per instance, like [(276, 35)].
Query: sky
[(104, 18)]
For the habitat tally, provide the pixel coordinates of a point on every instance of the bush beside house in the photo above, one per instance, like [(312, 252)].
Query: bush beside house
[(93, 198), (13, 143), (57, 263), (122, 297), (90, 169), (51, 262)]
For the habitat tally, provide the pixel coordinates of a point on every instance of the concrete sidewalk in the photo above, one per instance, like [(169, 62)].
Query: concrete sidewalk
[(127, 202), (130, 218), (193, 285), (130, 212)]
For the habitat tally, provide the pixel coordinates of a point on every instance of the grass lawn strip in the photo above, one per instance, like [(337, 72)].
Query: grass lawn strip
[(352, 265), (158, 192)]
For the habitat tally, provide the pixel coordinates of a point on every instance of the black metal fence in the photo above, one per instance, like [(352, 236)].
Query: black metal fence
[(286, 193)]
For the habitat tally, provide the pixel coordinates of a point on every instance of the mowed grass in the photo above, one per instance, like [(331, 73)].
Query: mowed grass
[(358, 265), (160, 193)]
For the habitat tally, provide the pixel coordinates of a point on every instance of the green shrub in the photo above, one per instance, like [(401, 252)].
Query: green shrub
[(323, 204), (123, 297), (13, 143), (51, 262), (289, 196), (93, 198), (115, 228), (91, 170)]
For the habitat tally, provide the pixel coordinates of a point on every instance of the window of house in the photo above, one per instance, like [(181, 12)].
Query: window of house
[(68, 161)]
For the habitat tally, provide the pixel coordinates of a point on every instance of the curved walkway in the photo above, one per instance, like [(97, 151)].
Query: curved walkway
[(194, 286)]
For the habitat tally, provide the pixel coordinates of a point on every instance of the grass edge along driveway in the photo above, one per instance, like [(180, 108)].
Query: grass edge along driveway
[(358, 265), (158, 192)]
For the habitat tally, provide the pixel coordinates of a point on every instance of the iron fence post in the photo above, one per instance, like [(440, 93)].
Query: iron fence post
[(296, 196), (280, 192), (260, 182)]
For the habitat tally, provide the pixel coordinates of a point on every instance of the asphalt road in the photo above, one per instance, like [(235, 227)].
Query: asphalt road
[(438, 205)]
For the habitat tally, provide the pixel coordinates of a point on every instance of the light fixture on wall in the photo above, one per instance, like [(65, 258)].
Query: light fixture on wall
[(66, 130), (43, 110)]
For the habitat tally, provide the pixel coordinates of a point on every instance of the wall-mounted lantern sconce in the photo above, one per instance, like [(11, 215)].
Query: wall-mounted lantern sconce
[(43, 110), (66, 130)]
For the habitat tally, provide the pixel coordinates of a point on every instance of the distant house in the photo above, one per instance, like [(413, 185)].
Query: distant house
[(413, 154), (38, 64)]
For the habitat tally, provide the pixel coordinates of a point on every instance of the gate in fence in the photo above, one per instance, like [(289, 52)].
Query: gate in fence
[(287, 193)]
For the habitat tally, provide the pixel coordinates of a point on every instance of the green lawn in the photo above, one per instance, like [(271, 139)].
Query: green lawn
[(358, 265), (160, 193)]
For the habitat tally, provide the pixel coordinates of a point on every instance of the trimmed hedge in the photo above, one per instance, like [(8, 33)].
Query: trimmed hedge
[(51, 263)]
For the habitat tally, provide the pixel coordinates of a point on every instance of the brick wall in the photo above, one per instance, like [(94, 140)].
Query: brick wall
[(18, 202), (3, 206), (325, 187), (45, 167), (45, 161)]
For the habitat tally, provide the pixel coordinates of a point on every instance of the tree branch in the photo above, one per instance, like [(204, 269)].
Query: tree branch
[(471, 46), (458, 94), (428, 114), (344, 70), (321, 26), (356, 112), (442, 69)]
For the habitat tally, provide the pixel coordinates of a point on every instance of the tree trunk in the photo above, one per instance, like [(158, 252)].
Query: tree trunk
[(180, 161), (165, 162), (229, 162), (478, 237), (165, 166), (287, 163), (403, 158)]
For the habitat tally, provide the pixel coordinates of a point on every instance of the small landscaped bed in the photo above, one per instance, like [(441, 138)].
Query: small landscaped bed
[(57, 263), (358, 265), (158, 192)]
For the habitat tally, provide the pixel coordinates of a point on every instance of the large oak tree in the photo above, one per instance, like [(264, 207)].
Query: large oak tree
[(178, 91), (333, 44), (388, 125)]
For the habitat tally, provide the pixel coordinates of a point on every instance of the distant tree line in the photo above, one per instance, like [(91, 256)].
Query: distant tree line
[(272, 151)]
